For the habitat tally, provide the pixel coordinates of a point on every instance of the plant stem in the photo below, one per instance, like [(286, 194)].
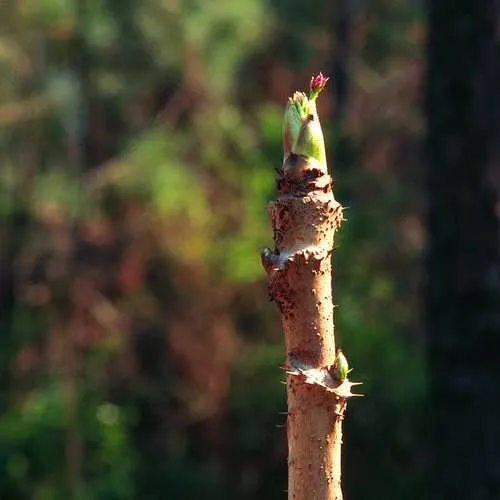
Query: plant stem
[(305, 218)]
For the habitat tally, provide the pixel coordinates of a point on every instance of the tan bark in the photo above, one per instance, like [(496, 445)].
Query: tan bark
[(305, 218)]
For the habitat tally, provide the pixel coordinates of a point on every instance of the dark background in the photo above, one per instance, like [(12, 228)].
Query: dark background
[(138, 140)]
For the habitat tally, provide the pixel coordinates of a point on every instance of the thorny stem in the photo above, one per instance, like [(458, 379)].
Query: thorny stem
[(305, 218)]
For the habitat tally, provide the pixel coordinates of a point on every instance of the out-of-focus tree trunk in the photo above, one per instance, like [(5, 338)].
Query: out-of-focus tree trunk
[(463, 260), (341, 61), (68, 324)]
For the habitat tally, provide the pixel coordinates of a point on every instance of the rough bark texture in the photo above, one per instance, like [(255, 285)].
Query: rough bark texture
[(305, 217), (463, 262)]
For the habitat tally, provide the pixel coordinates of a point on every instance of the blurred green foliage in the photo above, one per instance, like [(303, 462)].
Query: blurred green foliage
[(138, 141)]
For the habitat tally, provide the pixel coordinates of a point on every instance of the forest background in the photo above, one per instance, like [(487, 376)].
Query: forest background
[(139, 355)]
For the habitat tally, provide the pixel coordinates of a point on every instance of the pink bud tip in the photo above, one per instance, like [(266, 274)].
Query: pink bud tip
[(318, 83)]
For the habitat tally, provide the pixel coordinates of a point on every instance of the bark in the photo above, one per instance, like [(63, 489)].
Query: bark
[(463, 260), (305, 218)]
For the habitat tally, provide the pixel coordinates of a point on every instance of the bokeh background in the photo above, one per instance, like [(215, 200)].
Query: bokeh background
[(139, 352)]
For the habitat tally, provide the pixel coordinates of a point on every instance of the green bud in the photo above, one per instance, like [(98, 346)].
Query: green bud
[(310, 140), (302, 134), (296, 110), (341, 367)]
